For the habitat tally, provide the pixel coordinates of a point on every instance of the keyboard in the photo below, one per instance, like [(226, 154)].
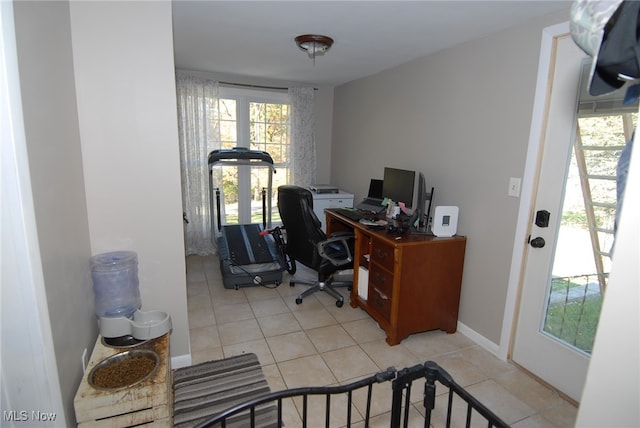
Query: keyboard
[(354, 215)]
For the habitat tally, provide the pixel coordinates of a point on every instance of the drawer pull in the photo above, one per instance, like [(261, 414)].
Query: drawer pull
[(381, 294), (382, 254)]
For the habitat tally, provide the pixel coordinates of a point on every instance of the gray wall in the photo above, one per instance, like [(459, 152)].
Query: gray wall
[(45, 59), (462, 117)]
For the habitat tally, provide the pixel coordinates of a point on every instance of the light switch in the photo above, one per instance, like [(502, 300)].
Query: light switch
[(514, 187)]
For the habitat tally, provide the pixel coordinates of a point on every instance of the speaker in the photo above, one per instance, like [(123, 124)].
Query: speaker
[(445, 221)]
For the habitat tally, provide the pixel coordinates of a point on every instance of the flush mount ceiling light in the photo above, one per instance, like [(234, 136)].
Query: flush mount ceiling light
[(314, 44)]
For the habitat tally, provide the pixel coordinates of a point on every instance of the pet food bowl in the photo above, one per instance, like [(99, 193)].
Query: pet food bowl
[(124, 370)]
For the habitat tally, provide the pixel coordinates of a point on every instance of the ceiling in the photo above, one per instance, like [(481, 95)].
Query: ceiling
[(256, 38)]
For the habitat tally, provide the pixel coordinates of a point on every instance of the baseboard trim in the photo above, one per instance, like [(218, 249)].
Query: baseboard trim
[(181, 361), (480, 340)]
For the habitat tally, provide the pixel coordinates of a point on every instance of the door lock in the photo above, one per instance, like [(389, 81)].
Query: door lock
[(537, 242), (542, 218)]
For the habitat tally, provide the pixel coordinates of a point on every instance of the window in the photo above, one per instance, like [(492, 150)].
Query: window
[(258, 120), (582, 259)]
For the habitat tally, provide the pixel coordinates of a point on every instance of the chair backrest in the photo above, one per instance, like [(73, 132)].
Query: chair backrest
[(303, 228)]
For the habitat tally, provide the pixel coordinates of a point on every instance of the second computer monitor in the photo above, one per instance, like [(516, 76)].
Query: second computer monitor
[(398, 185)]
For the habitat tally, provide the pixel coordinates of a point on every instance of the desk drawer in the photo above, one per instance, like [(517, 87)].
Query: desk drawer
[(380, 301), (380, 290), (381, 279), (382, 254)]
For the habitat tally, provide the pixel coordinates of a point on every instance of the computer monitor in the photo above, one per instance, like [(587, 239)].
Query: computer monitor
[(398, 185)]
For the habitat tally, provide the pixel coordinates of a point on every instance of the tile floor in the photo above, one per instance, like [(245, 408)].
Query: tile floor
[(317, 344)]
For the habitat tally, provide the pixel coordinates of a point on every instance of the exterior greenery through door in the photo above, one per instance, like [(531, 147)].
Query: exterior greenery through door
[(258, 120), (579, 278)]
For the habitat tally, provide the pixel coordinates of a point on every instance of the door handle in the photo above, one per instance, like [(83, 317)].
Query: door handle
[(537, 242)]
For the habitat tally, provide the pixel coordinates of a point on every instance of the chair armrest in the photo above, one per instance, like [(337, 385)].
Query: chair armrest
[(329, 252)]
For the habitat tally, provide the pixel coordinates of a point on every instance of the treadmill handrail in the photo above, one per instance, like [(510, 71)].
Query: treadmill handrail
[(234, 157), (239, 156)]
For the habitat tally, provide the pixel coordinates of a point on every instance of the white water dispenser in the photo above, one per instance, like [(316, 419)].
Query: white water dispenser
[(117, 299)]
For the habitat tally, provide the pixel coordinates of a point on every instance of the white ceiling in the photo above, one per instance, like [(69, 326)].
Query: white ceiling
[(255, 38)]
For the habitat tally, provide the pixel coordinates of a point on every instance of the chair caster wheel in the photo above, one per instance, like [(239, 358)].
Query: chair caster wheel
[(292, 284), (298, 300), (339, 303)]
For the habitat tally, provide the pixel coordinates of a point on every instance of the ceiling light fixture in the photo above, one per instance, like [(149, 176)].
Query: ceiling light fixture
[(314, 44)]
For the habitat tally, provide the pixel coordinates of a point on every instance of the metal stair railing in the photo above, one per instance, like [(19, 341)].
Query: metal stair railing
[(401, 383)]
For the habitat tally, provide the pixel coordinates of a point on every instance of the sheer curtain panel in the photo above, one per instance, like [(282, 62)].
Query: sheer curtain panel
[(302, 136), (199, 134)]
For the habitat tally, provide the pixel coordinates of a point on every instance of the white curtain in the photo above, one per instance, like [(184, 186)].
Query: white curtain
[(199, 133), (302, 136)]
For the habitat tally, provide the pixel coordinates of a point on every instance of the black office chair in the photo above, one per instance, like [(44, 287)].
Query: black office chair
[(308, 244)]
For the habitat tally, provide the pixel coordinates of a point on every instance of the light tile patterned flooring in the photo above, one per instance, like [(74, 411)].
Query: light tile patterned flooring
[(317, 344)]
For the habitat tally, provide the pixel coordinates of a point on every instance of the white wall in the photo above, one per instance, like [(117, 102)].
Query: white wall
[(118, 189), (43, 38), (612, 389), (125, 83), (462, 117), (28, 373)]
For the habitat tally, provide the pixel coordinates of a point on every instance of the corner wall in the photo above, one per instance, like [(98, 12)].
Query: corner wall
[(43, 39), (125, 83)]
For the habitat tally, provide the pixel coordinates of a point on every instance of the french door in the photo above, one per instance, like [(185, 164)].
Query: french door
[(257, 120)]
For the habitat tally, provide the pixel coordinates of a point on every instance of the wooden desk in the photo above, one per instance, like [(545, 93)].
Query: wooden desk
[(413, 282)]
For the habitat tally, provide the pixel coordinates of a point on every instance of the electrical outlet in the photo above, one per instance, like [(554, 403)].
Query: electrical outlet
[(85, 360), (514, 187)]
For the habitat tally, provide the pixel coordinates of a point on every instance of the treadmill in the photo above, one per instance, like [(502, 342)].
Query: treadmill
[(247, 257)]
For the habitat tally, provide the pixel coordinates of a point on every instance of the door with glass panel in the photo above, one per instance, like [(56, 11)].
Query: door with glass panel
[(572, 225), (258, 120)]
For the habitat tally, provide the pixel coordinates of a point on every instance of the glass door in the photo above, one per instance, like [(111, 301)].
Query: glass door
[(571, 233), (553, 361)]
